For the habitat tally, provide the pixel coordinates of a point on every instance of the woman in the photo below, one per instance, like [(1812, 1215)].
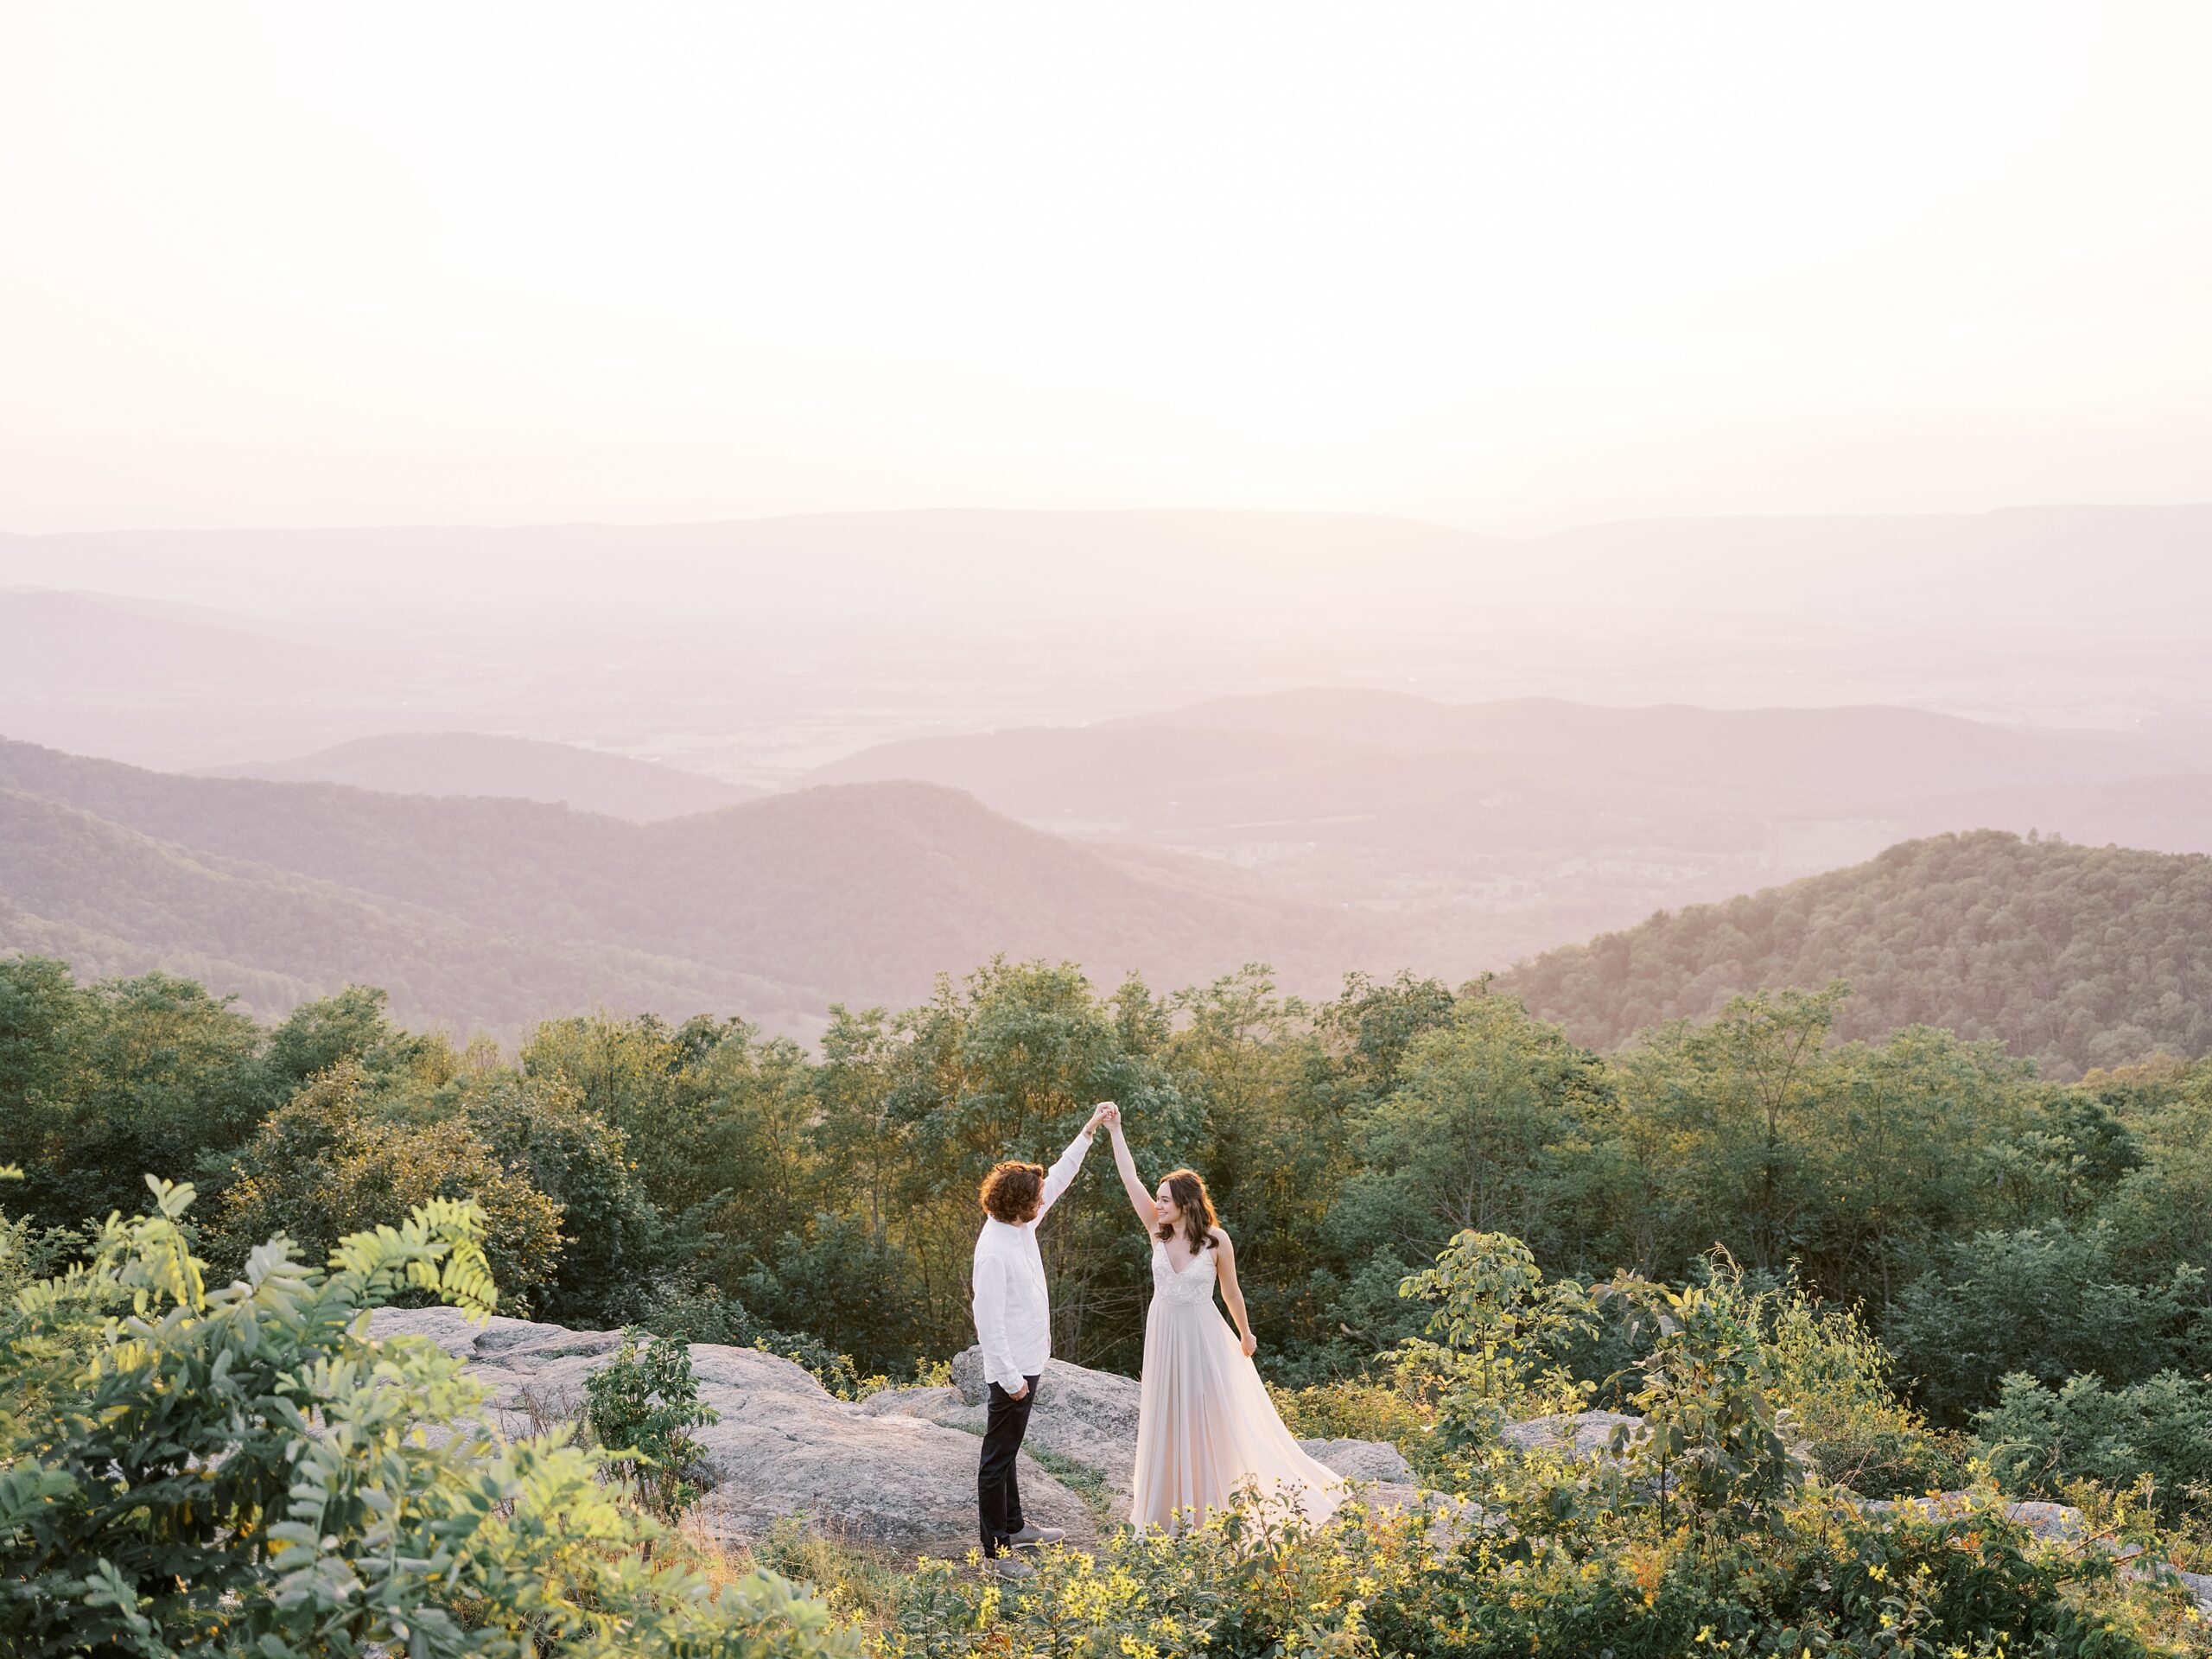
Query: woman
[(1206, 1428)]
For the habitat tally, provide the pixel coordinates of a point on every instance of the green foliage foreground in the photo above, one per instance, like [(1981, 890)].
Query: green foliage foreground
[(1703, 1530), (248, 1471), (1928, 1231), (1550, 1572)]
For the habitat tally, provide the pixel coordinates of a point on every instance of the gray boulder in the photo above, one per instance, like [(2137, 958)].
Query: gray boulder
[(2061, 1524), (1091, 1418), (784, 1446), (1574, 1434), (2057, 1523), (1375, 1461)]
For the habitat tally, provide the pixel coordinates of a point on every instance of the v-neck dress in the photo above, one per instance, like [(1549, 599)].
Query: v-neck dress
[(1206, 1428)]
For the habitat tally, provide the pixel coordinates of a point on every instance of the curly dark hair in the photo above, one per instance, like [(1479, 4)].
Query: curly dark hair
[(1011, 1191)]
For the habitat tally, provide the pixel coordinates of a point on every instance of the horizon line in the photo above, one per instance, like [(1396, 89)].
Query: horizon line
[(511, 526)]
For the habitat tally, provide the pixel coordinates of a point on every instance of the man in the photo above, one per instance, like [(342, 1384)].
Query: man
[(1014, 1323)]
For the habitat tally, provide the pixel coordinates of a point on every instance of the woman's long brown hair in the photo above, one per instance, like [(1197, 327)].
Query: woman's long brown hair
[(1188, 1188)]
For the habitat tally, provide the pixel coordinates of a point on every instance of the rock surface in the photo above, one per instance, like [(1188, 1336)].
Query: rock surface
[(1370, 1460), (1091, 1418), (2059, 1524), (784, 1445), (1576, 1434)]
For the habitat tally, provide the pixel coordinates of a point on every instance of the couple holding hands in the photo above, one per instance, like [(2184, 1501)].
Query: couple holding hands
[(1206, 1429)]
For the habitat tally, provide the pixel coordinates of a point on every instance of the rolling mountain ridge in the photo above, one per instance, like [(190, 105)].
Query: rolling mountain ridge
[(496, 913), (1522, 822), (502, 911), (469, 763)]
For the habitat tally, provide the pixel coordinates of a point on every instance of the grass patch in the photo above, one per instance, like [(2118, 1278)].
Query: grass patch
[(1086, 1483), (1094, 1489)]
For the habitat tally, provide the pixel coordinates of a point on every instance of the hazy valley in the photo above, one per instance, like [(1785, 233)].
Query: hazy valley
[(1492, 747)]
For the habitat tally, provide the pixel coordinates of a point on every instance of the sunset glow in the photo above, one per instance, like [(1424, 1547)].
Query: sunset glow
[(1507, 267)]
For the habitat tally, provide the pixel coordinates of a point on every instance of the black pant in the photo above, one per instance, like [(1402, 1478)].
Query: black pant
[(997, 1495)]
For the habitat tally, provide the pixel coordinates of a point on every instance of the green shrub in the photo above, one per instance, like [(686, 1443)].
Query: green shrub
[(2037, 1438), (1547, 1576), (1711, 1444), (642, 1406), (1833, 1377), (247, 1470), (709, 1314), (2051, 1301), (1393, 1408), (1487, 1350)]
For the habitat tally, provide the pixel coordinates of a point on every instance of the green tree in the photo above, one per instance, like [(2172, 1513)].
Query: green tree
[(1711, 1435), (1884, 1152), (1496, 1328), (246, 1471), (107, 1082), (848, 1283), (330, 1162), (1008, 1065), (1469, 1140), (1724, 1115), (612, 1241), (1274, 1147)]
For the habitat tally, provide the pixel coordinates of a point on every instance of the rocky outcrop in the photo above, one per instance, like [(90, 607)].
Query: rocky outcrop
[(2058, 1523), (1574, 1434), (1377, 1462), (1089, 1418), (896, 1472), (784, 1446)]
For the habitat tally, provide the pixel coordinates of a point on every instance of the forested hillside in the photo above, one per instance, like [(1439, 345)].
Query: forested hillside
[(115, 901), (2080, 955), (491, 911), (1988, 1223)]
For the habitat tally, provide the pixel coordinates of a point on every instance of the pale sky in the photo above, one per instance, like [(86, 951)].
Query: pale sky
[(1509, 266)]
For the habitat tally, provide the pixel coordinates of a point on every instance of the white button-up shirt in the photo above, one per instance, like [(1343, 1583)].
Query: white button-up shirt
[(1014, 1314)]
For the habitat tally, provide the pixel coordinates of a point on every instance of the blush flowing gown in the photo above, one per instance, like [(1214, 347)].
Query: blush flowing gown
[(1206, 1428)]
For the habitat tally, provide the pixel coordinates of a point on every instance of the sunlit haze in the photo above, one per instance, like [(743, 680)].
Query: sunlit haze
[(1507, 267), (653, 654), (1163, 487)]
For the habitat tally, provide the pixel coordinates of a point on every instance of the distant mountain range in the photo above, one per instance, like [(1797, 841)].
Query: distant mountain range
[(491, 912), (466, 763), (961, 567), (756, 649), (495, 913), (1529, 820), (2083, 955)]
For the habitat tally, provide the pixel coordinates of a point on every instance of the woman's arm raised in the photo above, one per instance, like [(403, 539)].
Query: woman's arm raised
[(1132, 1183)]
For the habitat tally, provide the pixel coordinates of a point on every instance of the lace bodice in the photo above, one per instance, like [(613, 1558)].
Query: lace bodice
[(1191, 1287)]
